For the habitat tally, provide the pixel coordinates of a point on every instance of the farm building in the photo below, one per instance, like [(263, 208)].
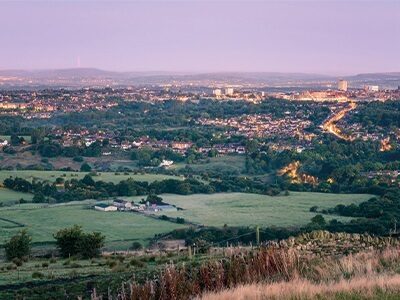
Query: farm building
[(166, 207), (139, 207), (122, 204), (105, 207), (156, 208)]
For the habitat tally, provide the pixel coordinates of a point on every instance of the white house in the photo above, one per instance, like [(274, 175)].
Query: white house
[(166, 163), (3, 143)]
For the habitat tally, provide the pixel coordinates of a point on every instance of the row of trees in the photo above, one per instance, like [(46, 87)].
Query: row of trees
[(88, 188), (70, 242)]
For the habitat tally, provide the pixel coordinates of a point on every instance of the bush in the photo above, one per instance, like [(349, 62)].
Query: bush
[(120, 258), (37, 275), (86, 167), (180, 220), (111, 263), (118, 268), (53, 260), (136, 246), (17, 261), (39, 198), (137, 263), (18, 246), (67, 262), (154, 199), (45, 264)]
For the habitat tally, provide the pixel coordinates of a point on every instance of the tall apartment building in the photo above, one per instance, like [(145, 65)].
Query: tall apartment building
[(342, 85), (229, 91)]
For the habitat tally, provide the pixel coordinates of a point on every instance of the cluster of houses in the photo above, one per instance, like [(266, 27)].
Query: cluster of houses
[(45, 103), (262, 125), (124, 205), (225, 148), (84, 137), (390, 177), (368, 93), (358, 131)]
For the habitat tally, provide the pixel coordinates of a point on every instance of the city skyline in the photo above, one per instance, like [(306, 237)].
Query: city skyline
[(327, 37)]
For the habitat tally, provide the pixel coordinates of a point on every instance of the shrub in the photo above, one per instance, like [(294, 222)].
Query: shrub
[(53, 260), (118, 268), (45, 264), (136, 246), (111, 263), (78, 159), (37, 275), (17, 261), (180, 220), (67, 262), (164, 217), (121, 258), (137, 263), (18, 246), (86, 167)]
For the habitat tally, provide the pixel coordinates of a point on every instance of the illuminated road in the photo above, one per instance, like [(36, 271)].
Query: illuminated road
[(330, 124)]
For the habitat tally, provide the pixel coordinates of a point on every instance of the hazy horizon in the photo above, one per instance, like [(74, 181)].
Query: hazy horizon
[(324, 37), (177, 73)]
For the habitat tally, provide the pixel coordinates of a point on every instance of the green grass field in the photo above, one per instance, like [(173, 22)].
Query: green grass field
[(228, 163), (104, 176), (10, 197), (237, 209), (120, 228)]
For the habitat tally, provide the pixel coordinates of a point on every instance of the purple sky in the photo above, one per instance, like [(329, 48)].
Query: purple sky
[(332, 37)]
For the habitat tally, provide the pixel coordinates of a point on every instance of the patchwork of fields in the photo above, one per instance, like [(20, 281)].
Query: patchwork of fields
[(239, 209), (121, 228), (104, 176), (227, 164), (42, 221), (10, 197)]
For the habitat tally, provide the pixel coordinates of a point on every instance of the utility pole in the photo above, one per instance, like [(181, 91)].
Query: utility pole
[(190, 252), (258, 235)]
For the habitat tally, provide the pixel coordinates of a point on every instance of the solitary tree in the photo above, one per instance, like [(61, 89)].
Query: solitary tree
[(86, 167), (18, 246)]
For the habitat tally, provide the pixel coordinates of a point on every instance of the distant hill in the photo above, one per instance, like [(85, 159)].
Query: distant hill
[(92, 77), (385, 80)]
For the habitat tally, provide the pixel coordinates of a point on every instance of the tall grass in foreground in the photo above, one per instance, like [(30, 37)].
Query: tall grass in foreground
[(280, 270), (366, 287)]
